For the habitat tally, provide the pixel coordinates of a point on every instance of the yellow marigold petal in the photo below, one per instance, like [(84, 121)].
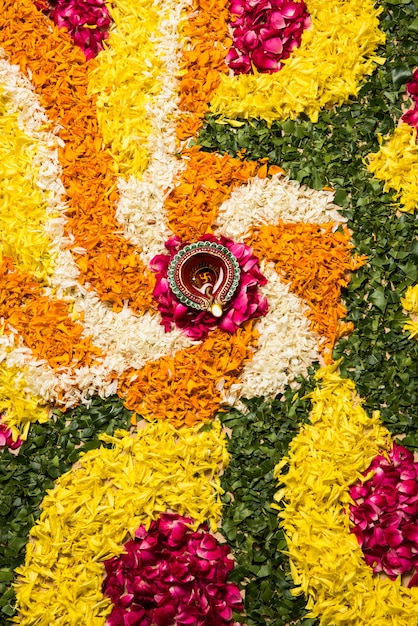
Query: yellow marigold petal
[(110, 264), (412, 328)]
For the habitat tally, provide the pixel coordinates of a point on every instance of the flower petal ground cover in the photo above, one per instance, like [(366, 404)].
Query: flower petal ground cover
[(378, 356)]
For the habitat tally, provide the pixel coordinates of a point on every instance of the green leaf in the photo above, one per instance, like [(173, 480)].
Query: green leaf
[(400, 75), (378, 298), (414, 25), (6, 576)]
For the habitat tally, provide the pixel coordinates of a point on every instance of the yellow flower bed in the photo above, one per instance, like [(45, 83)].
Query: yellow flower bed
[(124, 79), (396, 164), (335, 54), (410, 303), (19, 406), (100, 503), (327, 564), (22, 207)]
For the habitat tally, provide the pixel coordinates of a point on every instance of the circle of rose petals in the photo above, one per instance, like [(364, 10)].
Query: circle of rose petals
[(87, 21), (385, 514), (171, 575), (265, 33), (411, 116), (247, 303)]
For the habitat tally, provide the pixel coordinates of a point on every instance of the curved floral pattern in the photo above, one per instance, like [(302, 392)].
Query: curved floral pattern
[(396, 165), (326, 459), (124, 349), (317, 74), (105, 498), (396, 162)]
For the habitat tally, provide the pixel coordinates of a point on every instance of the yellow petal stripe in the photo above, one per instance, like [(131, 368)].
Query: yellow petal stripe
[(325, 459), (22, 206), (19, 406), (410, 303), (396, 164), (336, 53), (98, 504), (125, 78)]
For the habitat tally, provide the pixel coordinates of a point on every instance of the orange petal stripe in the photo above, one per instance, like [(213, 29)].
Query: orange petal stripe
[(186, 388), (43, 323), (59, 74), (207, 181), (203, 62), (316, 263)]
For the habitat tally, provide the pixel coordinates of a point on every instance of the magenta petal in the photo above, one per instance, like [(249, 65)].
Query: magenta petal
[(250, 40), (116, 618), (393, 537), (412, 88), (273, 45), (290, 9), (242, 65), (414, 581), (164, 615), (264, 62), (237, 7), (6, 438), (277, 20), (231, 56), (411, 117), (410, 532), (409, 487)]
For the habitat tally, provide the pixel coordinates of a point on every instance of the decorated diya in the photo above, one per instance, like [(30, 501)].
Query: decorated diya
[(204, 276)]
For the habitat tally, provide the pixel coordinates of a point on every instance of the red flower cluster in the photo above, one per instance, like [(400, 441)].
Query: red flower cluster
[(6, 439), (171, 576), (264, 33), (246, 304), (385, 515), (87, 21), (411, 116)]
